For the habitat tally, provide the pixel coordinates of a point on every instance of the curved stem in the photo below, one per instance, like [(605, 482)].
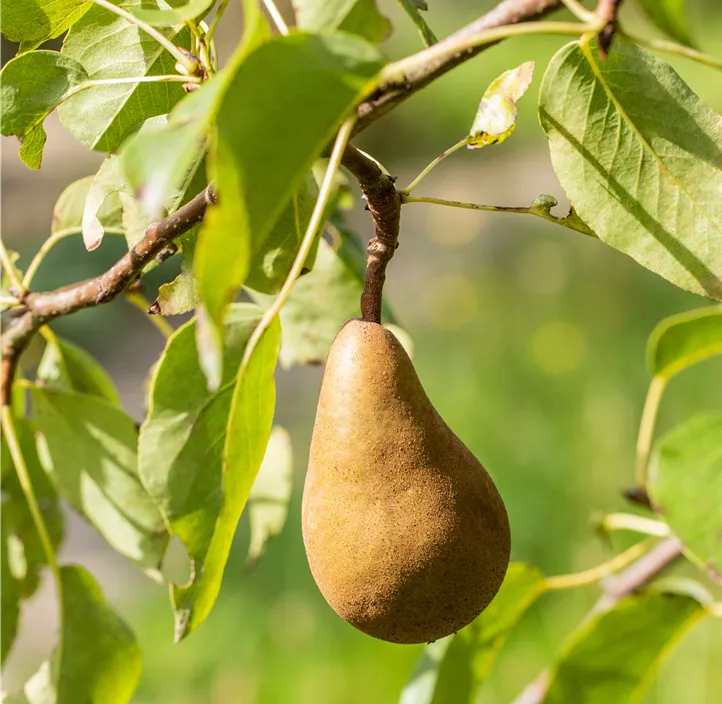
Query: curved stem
[(139, 301), (173, 50), (580, 579), (637, 524), (431, 166), (646, 428), (276, 16), (674, 48), (579, 11), (140, 79), (342, 138), (466, 206), (10, 269), (215, 21), (11, 436)]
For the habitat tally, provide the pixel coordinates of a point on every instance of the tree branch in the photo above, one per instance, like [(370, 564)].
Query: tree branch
[(382, 197), (616, 587), (443, 56), (40, 308)]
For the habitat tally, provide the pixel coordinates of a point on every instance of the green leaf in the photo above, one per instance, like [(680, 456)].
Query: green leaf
[(257, 167), (686, 487), (682, 340), (66, 366), (496, 117), (452, 669), (360, 17), (247, 433), (177, 15), (7, 283), (35, 21), (100, 660), (271, 492), (88, 447), (25, 553), (181, 294), (109, 46), (272, 261), (321, 302), (645, 185), (9, 594), (69, 208), (671, 16), (182, 458), (412, 8), (31, 87), (613, 656), (542, 206)]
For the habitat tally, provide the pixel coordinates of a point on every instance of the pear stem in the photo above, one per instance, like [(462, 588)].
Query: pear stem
[(384, 203)]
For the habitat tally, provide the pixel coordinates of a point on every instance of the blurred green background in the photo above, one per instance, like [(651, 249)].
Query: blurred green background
[(529, 339)]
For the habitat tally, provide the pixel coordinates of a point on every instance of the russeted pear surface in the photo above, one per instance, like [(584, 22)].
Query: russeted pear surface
[(406, 534)]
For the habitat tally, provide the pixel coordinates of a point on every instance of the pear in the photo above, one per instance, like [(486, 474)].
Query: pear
[(405, 532)]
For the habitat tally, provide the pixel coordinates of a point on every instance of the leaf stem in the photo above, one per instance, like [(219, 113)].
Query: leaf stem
[(342, 139), (580, 579), (406, 191), (9, 301), (442, 52), (142, 304), (10, 270), (580, 12), (637, 524), (173, 50), (427, 34), (8, 426), (276, 16), (674, 48), (215, 21), (646, 428), (141, 79)]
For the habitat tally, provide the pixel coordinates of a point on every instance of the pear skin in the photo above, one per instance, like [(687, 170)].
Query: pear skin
[(405, 532)]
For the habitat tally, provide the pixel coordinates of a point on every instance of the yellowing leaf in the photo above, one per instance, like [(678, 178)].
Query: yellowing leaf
[(496, 117)]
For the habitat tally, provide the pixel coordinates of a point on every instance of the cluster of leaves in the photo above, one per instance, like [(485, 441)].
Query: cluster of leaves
[(140, 81)]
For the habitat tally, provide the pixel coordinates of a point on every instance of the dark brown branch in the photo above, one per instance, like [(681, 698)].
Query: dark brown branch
[(41, 308), (607, 10), (389, 95), (384, 203), (616, 587)]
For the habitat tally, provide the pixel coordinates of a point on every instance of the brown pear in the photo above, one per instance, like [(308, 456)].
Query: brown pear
[(406, 534)]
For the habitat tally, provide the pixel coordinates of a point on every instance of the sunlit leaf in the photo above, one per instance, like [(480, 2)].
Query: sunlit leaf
[(360, 17), (496, 117), (88, 447), (107, 182), (33, 22), (176, 15), (685, 339), (69, 209), (452, 669), (637, 152), (108, 46), (24, 550), (66, 366), (271, 492), (247, 433), (31, 87), (98, 660), (685, 483), (671, 16), (9, 594), (258, 167), (180, 295), (613, 656)]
